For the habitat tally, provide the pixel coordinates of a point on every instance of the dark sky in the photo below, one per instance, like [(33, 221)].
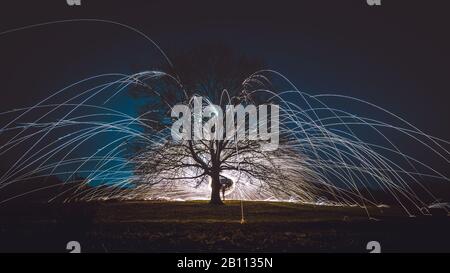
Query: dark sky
[(395, 55)]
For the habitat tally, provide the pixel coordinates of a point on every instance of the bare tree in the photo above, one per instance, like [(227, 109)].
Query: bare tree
[(221, 77)]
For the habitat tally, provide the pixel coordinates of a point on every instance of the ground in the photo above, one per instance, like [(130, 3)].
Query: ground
[(145, 226)]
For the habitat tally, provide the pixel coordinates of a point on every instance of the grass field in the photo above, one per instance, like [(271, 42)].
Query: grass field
[(144, 226)]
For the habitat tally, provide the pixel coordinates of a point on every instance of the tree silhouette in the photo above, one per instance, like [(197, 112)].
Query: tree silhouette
[(221, 77)]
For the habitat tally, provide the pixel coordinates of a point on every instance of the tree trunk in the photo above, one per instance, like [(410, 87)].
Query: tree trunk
[(215, 190)]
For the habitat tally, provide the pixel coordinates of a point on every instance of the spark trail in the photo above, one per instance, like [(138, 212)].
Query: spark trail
[(325, 157)]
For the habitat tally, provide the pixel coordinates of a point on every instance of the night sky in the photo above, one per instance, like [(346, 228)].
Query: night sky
[(395, 55)]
